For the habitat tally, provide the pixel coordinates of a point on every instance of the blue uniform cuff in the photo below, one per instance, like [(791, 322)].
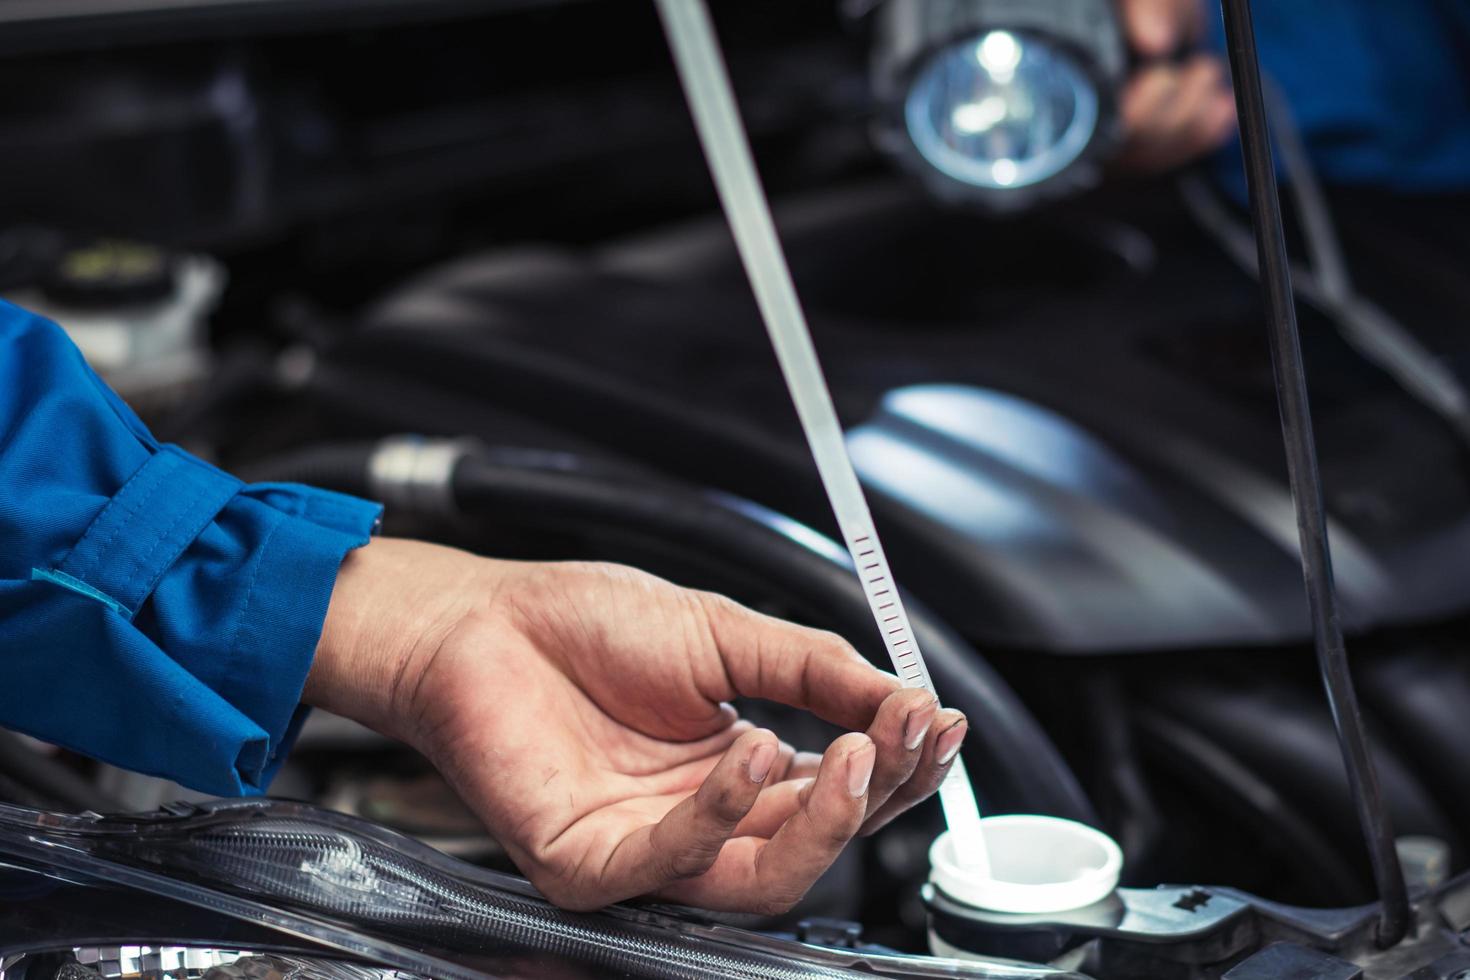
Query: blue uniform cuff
[(155, 612), (283, 609)]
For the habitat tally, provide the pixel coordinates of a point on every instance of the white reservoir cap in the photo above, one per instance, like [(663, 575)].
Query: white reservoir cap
[(1037, 864)]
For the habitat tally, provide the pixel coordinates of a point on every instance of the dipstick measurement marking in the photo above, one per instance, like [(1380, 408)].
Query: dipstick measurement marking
[(892, 621)]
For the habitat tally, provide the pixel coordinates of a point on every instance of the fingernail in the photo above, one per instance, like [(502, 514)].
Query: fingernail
[(761, 761), (916, 725), (950, 742), (860, 771)]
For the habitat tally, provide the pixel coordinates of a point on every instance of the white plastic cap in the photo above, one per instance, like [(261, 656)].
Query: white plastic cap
[(1037, 864)]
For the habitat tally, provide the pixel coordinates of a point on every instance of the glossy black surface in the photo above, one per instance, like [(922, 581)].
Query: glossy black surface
[(1069, 423)]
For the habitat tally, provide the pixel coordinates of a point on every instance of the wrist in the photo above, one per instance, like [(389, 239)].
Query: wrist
[(392, 607)]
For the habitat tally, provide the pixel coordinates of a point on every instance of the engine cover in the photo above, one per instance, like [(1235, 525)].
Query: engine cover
[(1069, 426)]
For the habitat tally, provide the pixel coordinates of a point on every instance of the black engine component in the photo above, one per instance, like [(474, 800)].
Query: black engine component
[(1081, 405), (1192, 933), (1087, 489)]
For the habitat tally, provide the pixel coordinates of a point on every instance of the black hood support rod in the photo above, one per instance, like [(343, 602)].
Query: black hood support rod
[(1306, 481)]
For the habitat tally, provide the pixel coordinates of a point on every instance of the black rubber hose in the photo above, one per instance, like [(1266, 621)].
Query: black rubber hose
[(336, 466), (1306, 482), (1279, 731), (1014, 761), (1249, 802)]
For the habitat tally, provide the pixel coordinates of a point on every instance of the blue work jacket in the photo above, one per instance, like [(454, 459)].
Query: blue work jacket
[(155, 612), (1380, 89)]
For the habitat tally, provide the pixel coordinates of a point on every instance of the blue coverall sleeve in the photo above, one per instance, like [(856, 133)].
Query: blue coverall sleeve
[(155, 612)]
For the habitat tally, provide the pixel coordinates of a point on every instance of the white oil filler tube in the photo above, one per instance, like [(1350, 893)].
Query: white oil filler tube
[(712, 102)]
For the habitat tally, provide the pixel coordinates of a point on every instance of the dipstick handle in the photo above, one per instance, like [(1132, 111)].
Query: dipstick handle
[(712, 102)]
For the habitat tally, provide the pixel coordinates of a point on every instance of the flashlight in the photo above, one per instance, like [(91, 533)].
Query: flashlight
[(1000, 103)]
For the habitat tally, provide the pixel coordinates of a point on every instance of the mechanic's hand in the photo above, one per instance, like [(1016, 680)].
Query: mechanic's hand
[(1172, 111), (580, 710)]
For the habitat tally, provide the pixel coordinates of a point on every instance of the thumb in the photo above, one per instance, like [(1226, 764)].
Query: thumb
[(763, 657)]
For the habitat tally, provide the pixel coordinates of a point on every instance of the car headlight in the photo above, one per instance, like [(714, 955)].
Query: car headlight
[(379, 905), (162, 962)]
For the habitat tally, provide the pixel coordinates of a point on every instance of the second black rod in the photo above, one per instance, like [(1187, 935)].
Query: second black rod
[(1306, 481)]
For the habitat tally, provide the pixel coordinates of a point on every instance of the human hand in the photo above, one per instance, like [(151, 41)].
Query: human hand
[(1172, 112), (580, 710)]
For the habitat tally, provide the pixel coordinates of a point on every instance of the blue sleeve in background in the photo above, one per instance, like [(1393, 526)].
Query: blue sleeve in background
[(1379, 89), (155, 612)]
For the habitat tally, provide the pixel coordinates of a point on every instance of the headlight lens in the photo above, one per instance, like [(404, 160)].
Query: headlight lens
[(320, 867), (1001, 110), (184, 963), (359, 890)]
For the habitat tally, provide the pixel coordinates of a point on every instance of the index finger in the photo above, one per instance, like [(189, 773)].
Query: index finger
[(752, 874), (766, 657)]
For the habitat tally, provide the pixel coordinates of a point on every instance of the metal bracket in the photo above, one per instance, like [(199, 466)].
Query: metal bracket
[(417, 474)]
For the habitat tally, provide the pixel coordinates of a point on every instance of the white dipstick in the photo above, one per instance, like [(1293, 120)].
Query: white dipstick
[(712, 102)]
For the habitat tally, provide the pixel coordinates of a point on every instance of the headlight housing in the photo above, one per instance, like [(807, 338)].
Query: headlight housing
[(164, 962), (350, 890)]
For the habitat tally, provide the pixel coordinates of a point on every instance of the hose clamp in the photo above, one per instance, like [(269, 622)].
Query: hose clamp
[(416, 474)]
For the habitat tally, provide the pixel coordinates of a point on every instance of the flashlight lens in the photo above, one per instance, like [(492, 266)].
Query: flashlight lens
[(1001, 110)]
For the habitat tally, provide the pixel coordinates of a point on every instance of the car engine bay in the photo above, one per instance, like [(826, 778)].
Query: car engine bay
[(465, 259)]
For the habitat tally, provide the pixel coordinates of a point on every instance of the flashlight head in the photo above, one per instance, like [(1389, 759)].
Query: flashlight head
[(999, 103)]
